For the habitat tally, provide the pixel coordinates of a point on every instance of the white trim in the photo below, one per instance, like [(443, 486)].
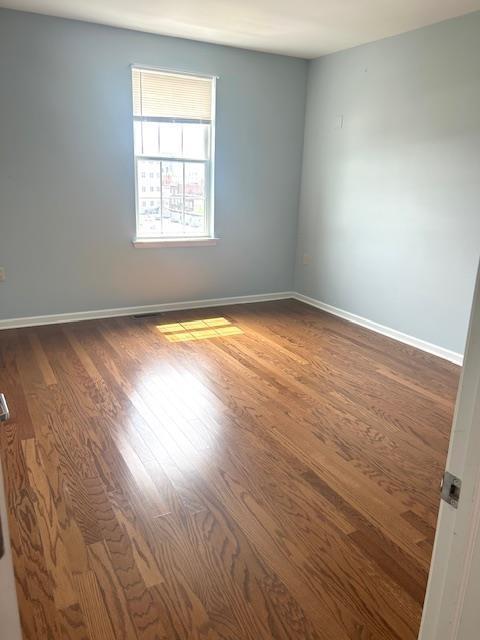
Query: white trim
[(173, 72), (145, 243), (441, 352), (32, 321), (58, 318)]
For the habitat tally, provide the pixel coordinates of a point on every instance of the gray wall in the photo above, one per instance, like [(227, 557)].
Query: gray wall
[(390, 203), (67, 214)]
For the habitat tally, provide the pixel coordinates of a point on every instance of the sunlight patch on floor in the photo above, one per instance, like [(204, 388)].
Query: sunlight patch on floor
[(199, 329)]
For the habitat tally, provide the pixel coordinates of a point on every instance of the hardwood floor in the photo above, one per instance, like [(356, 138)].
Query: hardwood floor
[(251, 472)]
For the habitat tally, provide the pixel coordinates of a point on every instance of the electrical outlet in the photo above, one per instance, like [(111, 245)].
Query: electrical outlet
[(2, 274), (307, 259)]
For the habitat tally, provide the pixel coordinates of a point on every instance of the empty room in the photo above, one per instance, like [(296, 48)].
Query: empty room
[(239, 320)]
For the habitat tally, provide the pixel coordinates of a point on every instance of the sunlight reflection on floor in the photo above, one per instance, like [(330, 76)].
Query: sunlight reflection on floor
[(182, 413), (199, 330)]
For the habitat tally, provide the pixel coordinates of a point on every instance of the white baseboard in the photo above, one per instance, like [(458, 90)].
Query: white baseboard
[(446, 354), (60, 318)]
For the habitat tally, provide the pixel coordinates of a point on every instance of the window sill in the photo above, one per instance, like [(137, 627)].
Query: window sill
[(152, 243)]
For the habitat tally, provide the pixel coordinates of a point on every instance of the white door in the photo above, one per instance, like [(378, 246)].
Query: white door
[(452, 603)]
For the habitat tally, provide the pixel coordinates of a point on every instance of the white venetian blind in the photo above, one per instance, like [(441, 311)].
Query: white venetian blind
[(169, 95)]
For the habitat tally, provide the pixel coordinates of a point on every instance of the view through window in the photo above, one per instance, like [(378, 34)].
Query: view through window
[(173, 116)]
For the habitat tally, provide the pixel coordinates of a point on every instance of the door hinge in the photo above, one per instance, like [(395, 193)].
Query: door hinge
[(451, 486), (4, 412)]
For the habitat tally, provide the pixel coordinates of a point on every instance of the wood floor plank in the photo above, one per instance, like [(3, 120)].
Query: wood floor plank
[(72, 624), (34, 584), (141, 606), (112, 592), (42, 360), (94, 607), (228, 612), (179, 483), (142, 544), (54, 550)]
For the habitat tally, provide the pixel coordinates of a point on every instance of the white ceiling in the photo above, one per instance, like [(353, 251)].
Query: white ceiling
[(304, 28)]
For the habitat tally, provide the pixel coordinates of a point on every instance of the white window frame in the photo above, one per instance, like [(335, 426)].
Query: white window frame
[(208, 238)]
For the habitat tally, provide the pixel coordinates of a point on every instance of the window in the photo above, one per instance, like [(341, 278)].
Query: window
[(173, 120)]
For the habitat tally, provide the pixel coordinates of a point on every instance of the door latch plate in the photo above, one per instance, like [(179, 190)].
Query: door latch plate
[(4, 412), (451, 486)]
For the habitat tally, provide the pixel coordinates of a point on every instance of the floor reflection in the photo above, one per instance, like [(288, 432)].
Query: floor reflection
[(204, 329)]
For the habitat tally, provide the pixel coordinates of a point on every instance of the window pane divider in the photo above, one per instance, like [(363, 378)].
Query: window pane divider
[(183, 197), (161, 196), (171, 120), (140, 156)]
